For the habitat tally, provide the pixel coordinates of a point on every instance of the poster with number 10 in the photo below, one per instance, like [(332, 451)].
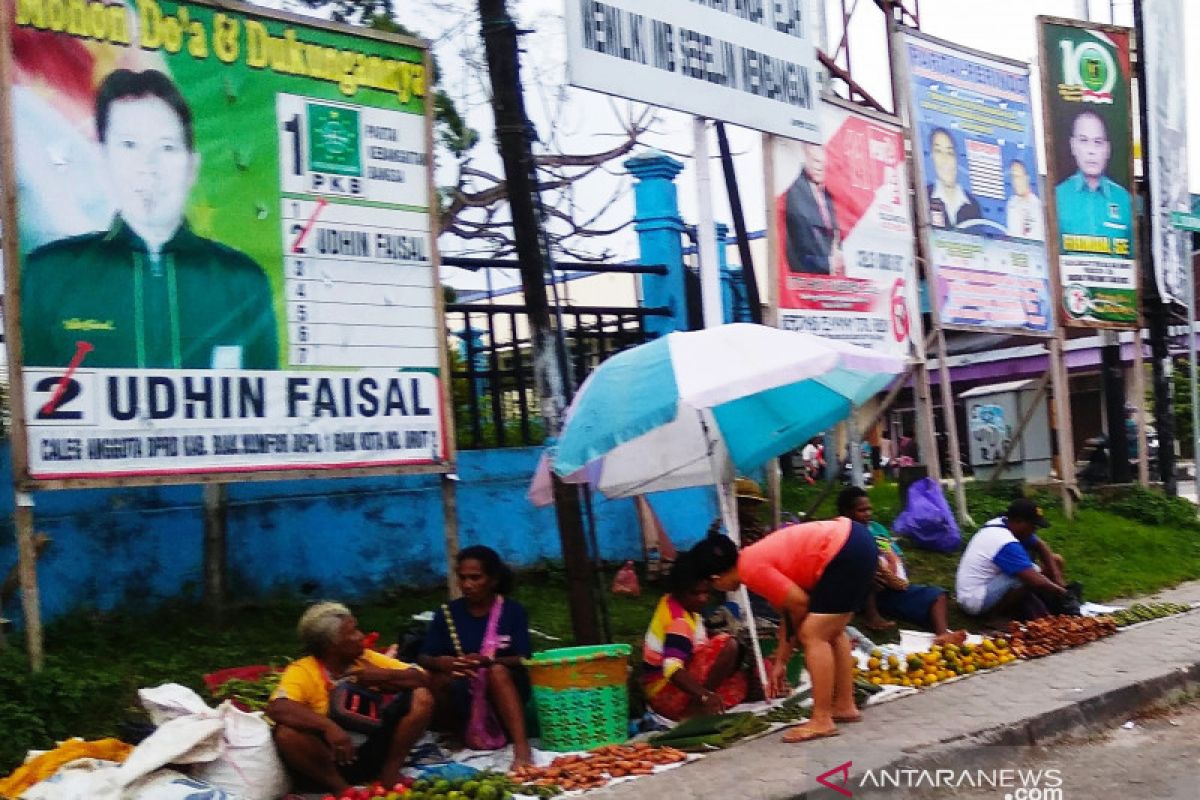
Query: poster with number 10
[(223, 246)]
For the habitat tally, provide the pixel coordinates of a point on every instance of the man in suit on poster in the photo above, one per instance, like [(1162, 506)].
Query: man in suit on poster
[(813, 242)]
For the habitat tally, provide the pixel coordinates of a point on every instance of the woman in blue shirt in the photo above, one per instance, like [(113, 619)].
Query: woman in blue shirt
[(455, 655)]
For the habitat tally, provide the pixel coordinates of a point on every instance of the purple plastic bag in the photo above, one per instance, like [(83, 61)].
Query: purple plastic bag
[(927, 519)]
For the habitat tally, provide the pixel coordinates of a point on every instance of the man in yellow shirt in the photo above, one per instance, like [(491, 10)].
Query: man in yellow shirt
[(312, 744)]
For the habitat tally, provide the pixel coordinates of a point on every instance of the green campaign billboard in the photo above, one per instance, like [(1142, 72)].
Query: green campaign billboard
[(223, 241), (1086, 89)]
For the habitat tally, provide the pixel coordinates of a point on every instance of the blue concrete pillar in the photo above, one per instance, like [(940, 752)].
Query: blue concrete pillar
[(471, 349), (660, 238), (729, 275)]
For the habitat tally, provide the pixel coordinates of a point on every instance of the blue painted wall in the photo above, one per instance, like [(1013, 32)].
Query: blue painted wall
[(349, 538)]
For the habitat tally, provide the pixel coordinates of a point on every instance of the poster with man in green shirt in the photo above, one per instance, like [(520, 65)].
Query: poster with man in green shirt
[(1088, 128), (148, 291), (224, 246)]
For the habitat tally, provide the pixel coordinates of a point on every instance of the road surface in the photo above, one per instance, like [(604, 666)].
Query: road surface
[(1154, 756)]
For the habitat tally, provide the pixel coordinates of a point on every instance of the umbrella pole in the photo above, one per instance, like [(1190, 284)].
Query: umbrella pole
[(729, 516)]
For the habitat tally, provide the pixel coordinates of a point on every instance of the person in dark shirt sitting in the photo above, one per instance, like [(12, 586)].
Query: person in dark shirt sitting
[(474, 650)]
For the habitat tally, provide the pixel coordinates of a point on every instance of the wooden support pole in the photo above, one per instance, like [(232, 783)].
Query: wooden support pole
[(1062, 426), (27, 570), (771, 315), (951, 423), (216, 508), (12, 581), (1139, 388), (450, 526)]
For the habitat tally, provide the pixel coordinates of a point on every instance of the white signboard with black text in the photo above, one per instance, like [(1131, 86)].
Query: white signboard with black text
[(747, 62)]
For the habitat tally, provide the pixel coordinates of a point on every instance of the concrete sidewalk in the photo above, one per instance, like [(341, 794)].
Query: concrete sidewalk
[(1024, 703)]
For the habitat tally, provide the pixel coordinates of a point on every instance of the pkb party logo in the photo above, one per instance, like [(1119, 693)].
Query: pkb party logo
[(1089, 72), (333, 140)]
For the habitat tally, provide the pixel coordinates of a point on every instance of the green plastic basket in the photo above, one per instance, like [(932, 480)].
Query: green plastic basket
[(581, 695)]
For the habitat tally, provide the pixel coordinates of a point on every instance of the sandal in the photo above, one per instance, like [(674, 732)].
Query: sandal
[(803, 733)]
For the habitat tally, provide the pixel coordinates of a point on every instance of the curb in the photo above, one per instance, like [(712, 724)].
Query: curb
[(987, 748), (1095, 711)]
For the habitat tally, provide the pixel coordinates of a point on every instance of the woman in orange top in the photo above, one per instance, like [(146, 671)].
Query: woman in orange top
[(817, 574)]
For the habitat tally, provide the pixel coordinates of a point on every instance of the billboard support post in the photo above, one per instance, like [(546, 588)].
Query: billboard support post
[(216, 518), (22, 500), (1191, 306), (1139, 389), (771, 315), (950, 421), (925, 429), (450, 525), (27, 573), (706, 232), (1063, 427)]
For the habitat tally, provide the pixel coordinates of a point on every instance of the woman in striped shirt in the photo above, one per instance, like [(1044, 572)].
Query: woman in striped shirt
[(685, 672)]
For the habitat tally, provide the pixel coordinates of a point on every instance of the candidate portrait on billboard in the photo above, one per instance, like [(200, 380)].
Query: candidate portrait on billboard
[(812, 239), (147, 291), (950, 204), (1024, 214), (1090, 203)]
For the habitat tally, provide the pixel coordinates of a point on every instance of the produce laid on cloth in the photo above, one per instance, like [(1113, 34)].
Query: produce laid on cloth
[(790, 710), (594, 769), (863, 689), (938, 663), (711, 732), (397, 791), (1041, 637), (1144, 612), (479, 786)]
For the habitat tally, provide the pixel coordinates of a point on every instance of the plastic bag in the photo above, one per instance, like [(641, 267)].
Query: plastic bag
[(927, 519), (626, 581), (237, 755)]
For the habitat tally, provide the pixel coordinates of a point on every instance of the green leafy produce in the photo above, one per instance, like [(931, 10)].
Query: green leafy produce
[(717, 730), (1144, 612), (789, 710), (253, 695)]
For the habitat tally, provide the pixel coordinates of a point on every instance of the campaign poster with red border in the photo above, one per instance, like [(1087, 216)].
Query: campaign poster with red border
[(843, 232)]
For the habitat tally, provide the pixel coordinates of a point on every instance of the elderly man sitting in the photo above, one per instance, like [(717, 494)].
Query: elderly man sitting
[(311, 742)]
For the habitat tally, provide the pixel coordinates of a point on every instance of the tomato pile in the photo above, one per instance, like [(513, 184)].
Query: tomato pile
[(1041, 637), (597, 768), (397, 791)]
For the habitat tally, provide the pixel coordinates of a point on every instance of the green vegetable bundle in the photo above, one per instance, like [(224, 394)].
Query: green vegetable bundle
[(789, 710), (251, 695), (1144, 612), (715, 730)]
